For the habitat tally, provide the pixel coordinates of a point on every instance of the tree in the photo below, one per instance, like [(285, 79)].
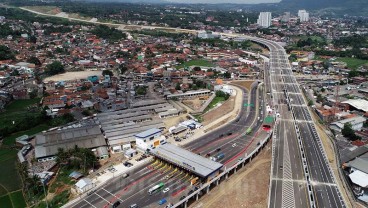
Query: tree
[(55, 67), (348, 131), (319, 98), (33, 94), (353, 73), (310, 102), (227, 75), (197, 68), (34, 60), (140, 90), (107, 72), (323, 90), (177, 87), (6, 53)]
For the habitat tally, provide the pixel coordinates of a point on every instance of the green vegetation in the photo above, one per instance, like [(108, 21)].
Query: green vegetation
[(220, 97), (9, 180), (141, 90), (348, 132), (76, 158), (55, 67), (6, 53), (5, 201), (353, 63), (108, 33), (18, 199), (197, 62)]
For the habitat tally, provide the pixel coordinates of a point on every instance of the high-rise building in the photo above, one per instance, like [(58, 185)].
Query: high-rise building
[(303, 15), (264, 19)]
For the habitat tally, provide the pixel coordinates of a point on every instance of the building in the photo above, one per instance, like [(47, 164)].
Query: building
[(356, 123), (285, 17), (264, 19), (358, 104), (357, 171), (149, 139), (84, 185), (207, 35), (303, 16), (205, 168), (48, 143)]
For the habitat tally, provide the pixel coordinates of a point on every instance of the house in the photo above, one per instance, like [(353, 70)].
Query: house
[(356, 123), (84, 185)]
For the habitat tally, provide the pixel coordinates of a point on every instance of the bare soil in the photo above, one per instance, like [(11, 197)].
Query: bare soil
[(247, 188), (218, 112), (195, 104), (246, 83), (73, 75)]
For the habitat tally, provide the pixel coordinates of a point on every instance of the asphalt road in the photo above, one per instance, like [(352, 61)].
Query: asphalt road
[(288, 179), (326, 193), (133, 190)]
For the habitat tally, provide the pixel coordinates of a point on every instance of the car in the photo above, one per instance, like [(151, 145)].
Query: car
[(183, 197), (218, 149), (166, 190), (133, 206), (190, 192), (162, 201), (230, 133), (208, 155), (234, 145), (281, 167), (240, 159), (258, 143), (116, 204)]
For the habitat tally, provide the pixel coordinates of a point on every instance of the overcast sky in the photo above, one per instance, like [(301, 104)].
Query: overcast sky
[(225, 1)]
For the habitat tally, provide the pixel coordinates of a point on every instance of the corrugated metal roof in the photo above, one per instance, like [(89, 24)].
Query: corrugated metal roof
[(358, 104), (195, 163), (148, 133)]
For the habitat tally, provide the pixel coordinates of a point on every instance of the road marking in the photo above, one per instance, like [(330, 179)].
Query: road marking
[(112, 194), (103, 198), (89, 203)]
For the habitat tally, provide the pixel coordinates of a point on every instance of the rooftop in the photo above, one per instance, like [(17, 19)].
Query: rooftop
[(195, 163), (358, 104), (148, 133)]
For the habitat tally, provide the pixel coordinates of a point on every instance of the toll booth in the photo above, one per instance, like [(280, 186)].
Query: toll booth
[(268, 123), (200, 166)]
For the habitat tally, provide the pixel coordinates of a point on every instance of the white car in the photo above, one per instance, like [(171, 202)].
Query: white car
[(166, 190), (234, 145)]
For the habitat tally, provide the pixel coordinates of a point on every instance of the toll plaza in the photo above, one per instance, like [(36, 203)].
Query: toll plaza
[(202, 167)]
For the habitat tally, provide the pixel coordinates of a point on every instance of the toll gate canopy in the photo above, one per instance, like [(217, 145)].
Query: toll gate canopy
[(185, 159)]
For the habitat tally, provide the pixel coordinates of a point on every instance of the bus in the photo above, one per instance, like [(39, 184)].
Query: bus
[(156, 188), (249, 130)]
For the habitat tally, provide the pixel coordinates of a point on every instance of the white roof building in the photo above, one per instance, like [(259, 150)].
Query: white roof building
[(84, 185), (356, 123), (359, 104)]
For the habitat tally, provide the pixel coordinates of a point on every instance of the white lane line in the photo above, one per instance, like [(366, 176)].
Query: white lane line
[(103, 198), (89, 203), (113, 195)]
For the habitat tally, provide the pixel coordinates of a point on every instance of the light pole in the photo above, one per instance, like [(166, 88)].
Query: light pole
[(44, 191)]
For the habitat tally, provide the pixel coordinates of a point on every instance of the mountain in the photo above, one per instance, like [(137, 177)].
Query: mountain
[(341, 7)]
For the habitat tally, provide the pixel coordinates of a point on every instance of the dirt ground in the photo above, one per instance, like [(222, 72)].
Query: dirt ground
[(194, 104), (222, 110), (245, 83), (73, 75), (247, 188), (173, 121)]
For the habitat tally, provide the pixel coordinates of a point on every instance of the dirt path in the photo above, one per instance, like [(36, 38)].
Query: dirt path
[(247, 188)]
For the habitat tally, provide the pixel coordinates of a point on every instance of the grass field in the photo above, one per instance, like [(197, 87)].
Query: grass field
[(5, 201), (10, 140), (16, 111), (353, 63), (18, 199), (214, 102), (9, 177), (199, 62)]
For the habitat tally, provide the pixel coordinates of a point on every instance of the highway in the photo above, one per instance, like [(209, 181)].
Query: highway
[(133, 190), (290, 178)]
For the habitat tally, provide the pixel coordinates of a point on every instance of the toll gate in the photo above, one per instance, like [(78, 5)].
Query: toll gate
[(200, 166)]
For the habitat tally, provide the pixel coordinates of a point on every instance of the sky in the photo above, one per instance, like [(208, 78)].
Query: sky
[(226, 1)]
